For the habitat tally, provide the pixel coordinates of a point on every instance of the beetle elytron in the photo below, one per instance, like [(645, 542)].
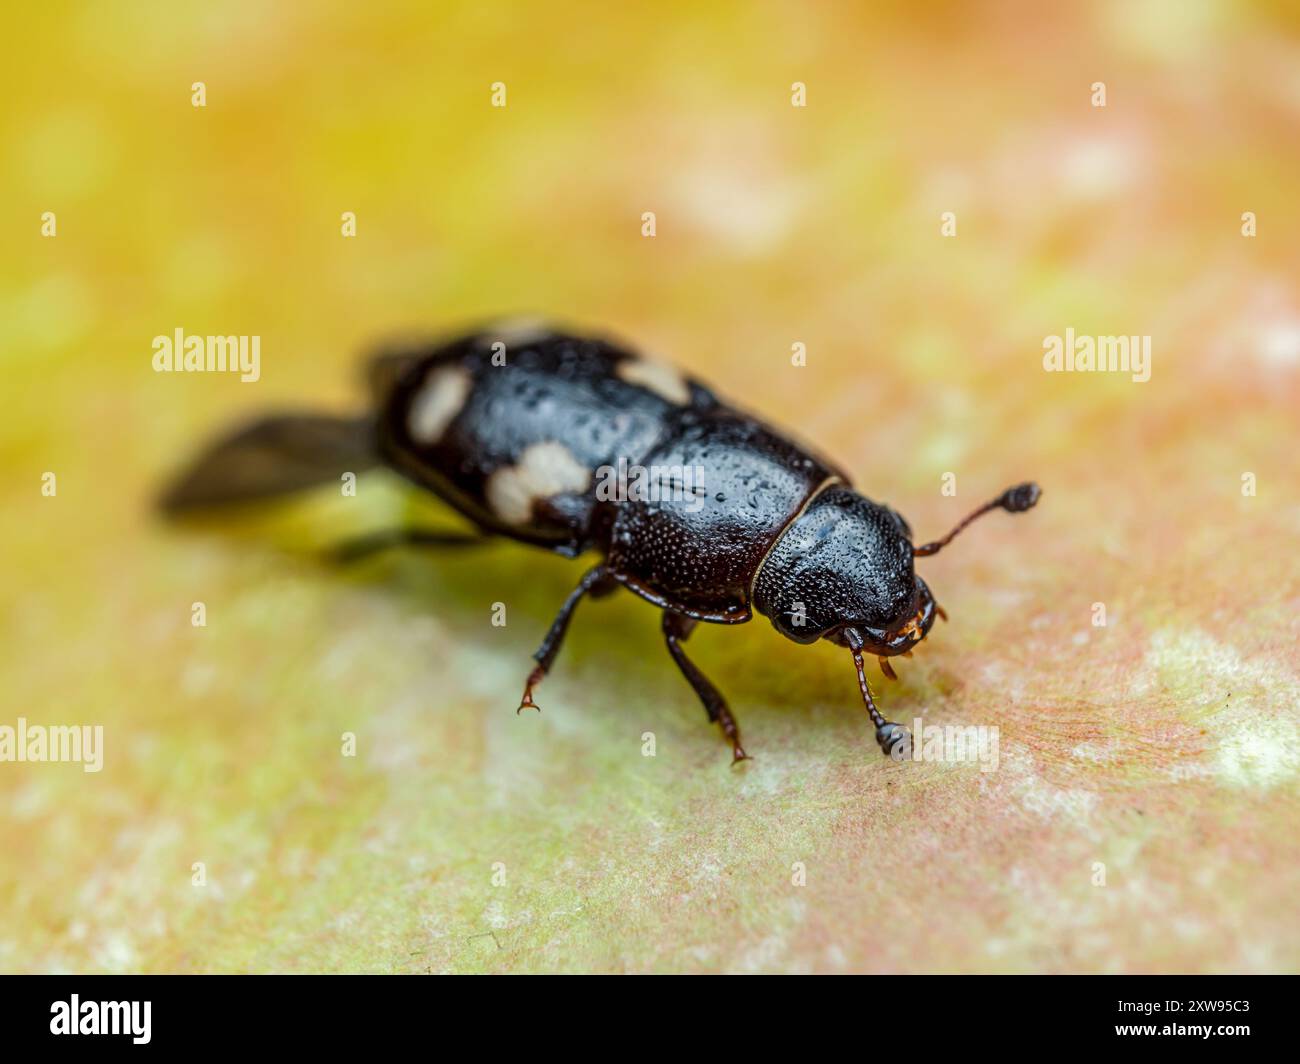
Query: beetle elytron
[(515, 426)]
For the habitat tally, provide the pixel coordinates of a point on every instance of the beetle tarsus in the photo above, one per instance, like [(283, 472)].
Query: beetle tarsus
[(595, 582), (534, 678), (732, 731)]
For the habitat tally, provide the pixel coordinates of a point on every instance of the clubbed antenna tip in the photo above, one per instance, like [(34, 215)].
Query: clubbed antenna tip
[(1020, 498), (1014, 500)]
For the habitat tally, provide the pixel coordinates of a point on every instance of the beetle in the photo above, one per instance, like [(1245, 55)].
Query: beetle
[(520, 428)]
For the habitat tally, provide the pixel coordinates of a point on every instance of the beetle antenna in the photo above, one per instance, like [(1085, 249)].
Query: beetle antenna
[(1014, 500), (889, 735)]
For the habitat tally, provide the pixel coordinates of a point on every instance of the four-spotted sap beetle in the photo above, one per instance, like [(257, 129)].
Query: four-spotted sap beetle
[(520, 429)]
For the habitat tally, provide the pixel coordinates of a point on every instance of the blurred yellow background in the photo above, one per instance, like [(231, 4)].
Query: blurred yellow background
[(1164, 746)]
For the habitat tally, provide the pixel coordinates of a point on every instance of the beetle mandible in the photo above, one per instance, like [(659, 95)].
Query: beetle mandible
[(519, 427)]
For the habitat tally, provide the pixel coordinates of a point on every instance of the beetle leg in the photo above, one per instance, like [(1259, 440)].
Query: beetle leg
[(887, 668), (596, 582), (677, 628), (352, 550)]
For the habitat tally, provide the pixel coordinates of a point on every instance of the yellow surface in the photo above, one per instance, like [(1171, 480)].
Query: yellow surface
[(1164, 746)]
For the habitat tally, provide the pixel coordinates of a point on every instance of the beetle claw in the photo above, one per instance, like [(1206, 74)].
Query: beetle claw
[(534, 678), (738, 755)]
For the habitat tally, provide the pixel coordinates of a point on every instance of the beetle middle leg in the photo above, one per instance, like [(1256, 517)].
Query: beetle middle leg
[(596, 583), (677, 628)]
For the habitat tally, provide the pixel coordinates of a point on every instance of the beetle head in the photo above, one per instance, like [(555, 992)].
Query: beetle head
[(843, 571), (898, 637)]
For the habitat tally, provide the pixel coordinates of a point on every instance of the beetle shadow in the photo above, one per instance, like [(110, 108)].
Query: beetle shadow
[(614, 642), (501, 598)]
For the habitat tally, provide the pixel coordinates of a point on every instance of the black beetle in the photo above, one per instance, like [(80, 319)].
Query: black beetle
[(575, 444)]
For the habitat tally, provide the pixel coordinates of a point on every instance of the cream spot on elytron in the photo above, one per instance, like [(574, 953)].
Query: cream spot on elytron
[(439, 400), (544, 469), (661, 379)]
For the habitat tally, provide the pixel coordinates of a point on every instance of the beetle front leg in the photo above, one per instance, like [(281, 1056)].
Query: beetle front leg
[(596, 582), (677, 629)]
